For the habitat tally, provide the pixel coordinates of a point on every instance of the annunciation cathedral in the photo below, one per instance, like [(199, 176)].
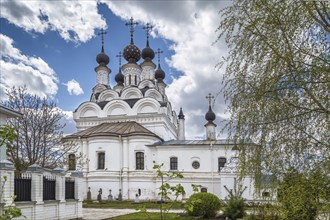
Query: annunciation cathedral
[(127, 128)]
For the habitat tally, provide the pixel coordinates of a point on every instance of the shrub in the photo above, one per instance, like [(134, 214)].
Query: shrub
[(203, 204), (235, 208)]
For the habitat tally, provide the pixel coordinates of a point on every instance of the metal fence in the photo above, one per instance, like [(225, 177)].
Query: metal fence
[(49, 184), (69, 188), (22, 187)]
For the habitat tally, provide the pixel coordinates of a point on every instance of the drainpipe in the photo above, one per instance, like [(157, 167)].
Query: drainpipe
[(121, 164), (211, 147)]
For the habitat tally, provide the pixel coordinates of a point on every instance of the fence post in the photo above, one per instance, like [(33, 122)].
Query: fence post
[(78, 193), (36, 183), (60, 184), (7, 171), (77, 175)]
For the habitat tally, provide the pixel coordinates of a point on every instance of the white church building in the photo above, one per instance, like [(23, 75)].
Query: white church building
[(125, 130)]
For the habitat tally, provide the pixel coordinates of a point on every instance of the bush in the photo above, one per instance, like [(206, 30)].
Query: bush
[(235, 208), (203, 204)]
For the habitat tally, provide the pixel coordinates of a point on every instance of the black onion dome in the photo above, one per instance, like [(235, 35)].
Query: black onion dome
[(132, 53), (159, 74), (210, 116), (148, 53), (119, 78), (102, 58)]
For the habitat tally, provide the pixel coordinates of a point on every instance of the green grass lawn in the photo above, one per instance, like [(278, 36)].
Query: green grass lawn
[(149, 216), (129, 205)]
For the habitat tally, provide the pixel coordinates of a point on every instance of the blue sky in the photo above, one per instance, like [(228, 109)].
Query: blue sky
[(48, 44)]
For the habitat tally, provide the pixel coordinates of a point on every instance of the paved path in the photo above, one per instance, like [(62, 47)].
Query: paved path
[(90, 214), (93, 214)]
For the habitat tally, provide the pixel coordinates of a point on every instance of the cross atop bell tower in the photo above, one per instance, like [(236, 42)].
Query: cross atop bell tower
[(210, 97)]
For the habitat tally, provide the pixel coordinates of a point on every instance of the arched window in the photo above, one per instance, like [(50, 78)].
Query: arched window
[(100, 160), (221, 163), (72, 162), (139, 160), (173, 163)]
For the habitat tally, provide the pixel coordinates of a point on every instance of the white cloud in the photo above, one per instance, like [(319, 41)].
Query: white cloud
[(191, 25), (70, 125), (74, 20), (18, 69), (74, 87)]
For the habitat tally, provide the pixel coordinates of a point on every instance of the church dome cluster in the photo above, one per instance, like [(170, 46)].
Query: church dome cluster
[(134, 73)]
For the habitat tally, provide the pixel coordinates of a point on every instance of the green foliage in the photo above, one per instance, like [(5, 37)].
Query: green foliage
[(261, 217), (235, 208), (151, 215), (167, 190), (277, 83), (9, 210), (263, 211), (7, 135), (203, 204), (196, 188), (127, 204), (303, 197)]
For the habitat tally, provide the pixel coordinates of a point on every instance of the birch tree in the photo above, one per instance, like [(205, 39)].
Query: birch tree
[(277, 84)]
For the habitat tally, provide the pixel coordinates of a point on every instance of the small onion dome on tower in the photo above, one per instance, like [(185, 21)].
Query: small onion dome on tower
[(102, 59), (147, 53), (210, 116), (119, 78), (159, 74), (181, 115)]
